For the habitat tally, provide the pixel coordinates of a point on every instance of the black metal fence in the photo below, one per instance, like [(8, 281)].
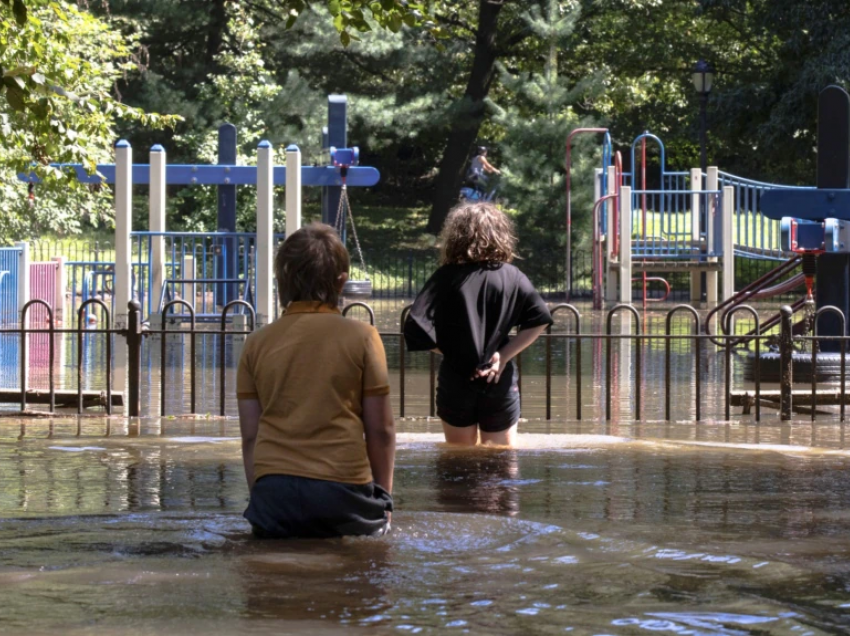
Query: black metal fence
[(647, 355)]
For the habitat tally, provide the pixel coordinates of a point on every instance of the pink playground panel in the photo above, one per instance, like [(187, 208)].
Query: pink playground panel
[(46, 282)]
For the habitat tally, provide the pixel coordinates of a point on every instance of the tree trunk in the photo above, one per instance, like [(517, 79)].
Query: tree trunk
[(464, 128), (215, 33)]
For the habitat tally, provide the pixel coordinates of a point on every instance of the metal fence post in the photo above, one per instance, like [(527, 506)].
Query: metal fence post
[(134, 358), (786, 370)]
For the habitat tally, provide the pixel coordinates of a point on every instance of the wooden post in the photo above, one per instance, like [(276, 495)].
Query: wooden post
[(59, 291), (265, 232), (625, 245), (189, 291), (156, 223), (122, 286), (610, 255), (696, 189), (728, 243), (712, 185), (293, 189), (23, 276)]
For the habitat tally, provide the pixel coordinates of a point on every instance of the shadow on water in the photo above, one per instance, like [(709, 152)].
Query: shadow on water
[(141, 532)]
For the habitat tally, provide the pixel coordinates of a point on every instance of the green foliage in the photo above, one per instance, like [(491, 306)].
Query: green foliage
[(537, 118), (352, 18), (58, 65)]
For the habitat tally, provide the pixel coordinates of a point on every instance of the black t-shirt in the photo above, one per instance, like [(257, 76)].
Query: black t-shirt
[(467, 311)]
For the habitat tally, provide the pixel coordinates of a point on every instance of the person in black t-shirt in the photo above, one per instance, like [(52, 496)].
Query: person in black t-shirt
[(466, 311)]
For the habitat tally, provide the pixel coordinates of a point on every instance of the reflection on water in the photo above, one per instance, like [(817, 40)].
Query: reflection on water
[(141, 532)]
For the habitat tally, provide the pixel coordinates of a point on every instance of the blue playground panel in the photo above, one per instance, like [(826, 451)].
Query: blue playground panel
[(210, 250), (10, 258)]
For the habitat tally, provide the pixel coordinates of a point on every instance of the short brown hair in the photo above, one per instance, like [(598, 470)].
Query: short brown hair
[(477, 232), (308, 264)]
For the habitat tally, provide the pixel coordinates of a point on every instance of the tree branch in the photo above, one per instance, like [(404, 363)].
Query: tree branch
[(350, 57), (454, 21)]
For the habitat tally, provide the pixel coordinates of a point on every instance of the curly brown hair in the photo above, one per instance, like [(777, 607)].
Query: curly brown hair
[(477, 233), (308, 265)]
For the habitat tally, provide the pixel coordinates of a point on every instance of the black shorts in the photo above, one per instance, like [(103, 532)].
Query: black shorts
[(463, 402), (286, 506)]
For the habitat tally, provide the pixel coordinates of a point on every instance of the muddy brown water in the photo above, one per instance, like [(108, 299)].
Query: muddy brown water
[(112, 527)]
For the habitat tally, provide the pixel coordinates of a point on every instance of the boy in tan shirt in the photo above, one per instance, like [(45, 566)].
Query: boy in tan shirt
[(318, 437)]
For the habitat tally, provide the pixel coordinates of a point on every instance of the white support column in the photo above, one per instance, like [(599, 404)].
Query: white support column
[(59, 297), (23, 276), (696, 188), (59, 309), (265, 231), (610, 255), (625, 295), (711, 184), (24, 295), (728, 243), (293, 189), (156, 223), (122, 286), (189, 291)]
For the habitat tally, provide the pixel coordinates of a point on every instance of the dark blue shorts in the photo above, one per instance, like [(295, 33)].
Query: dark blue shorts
[(463, 402), (286, 506)]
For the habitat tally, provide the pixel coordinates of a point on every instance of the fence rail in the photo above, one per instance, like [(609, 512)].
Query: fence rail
[(612, 349)]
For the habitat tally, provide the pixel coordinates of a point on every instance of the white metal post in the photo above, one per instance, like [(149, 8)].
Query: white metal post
[(625, 245), (610, 255), (60, 284), (293, 189), (728, 243), (23, 276), (711, 184), (696, 189), (59, 309), (189, 291), (156, 223), (265, 232), (122, 286), (24, 295)]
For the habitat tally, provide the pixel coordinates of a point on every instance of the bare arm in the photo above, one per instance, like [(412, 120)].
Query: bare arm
[(249, 425), (379, 427), (489, 167), (517, 345)]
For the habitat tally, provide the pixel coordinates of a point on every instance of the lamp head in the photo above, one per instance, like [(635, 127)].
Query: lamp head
[(703, 77)]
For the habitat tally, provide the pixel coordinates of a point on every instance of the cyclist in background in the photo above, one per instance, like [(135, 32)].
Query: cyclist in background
[(479, 168)]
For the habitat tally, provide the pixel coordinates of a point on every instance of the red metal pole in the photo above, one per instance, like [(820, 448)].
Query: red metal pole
[(572, 134)]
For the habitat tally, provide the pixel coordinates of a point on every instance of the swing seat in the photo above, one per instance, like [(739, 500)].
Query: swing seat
[(357, 288)]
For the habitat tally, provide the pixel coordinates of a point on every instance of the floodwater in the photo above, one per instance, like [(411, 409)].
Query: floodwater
[(624, 528), (635, 370)]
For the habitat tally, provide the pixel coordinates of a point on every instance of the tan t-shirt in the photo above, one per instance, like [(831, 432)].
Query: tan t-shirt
[(310, 371)]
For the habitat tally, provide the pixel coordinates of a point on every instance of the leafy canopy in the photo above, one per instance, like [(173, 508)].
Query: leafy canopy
[(58, 68), (353, 16)]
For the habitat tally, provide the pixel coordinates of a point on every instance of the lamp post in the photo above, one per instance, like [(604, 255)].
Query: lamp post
[(703, 78)]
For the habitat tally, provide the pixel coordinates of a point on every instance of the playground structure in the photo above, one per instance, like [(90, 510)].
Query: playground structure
[(691, 222), (683, 226), (206, 270)]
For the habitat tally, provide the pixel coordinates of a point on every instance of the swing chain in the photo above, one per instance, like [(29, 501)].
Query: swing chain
[(343, 210)]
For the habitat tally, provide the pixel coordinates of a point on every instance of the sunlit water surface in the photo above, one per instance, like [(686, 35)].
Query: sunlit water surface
[(611, 529)]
